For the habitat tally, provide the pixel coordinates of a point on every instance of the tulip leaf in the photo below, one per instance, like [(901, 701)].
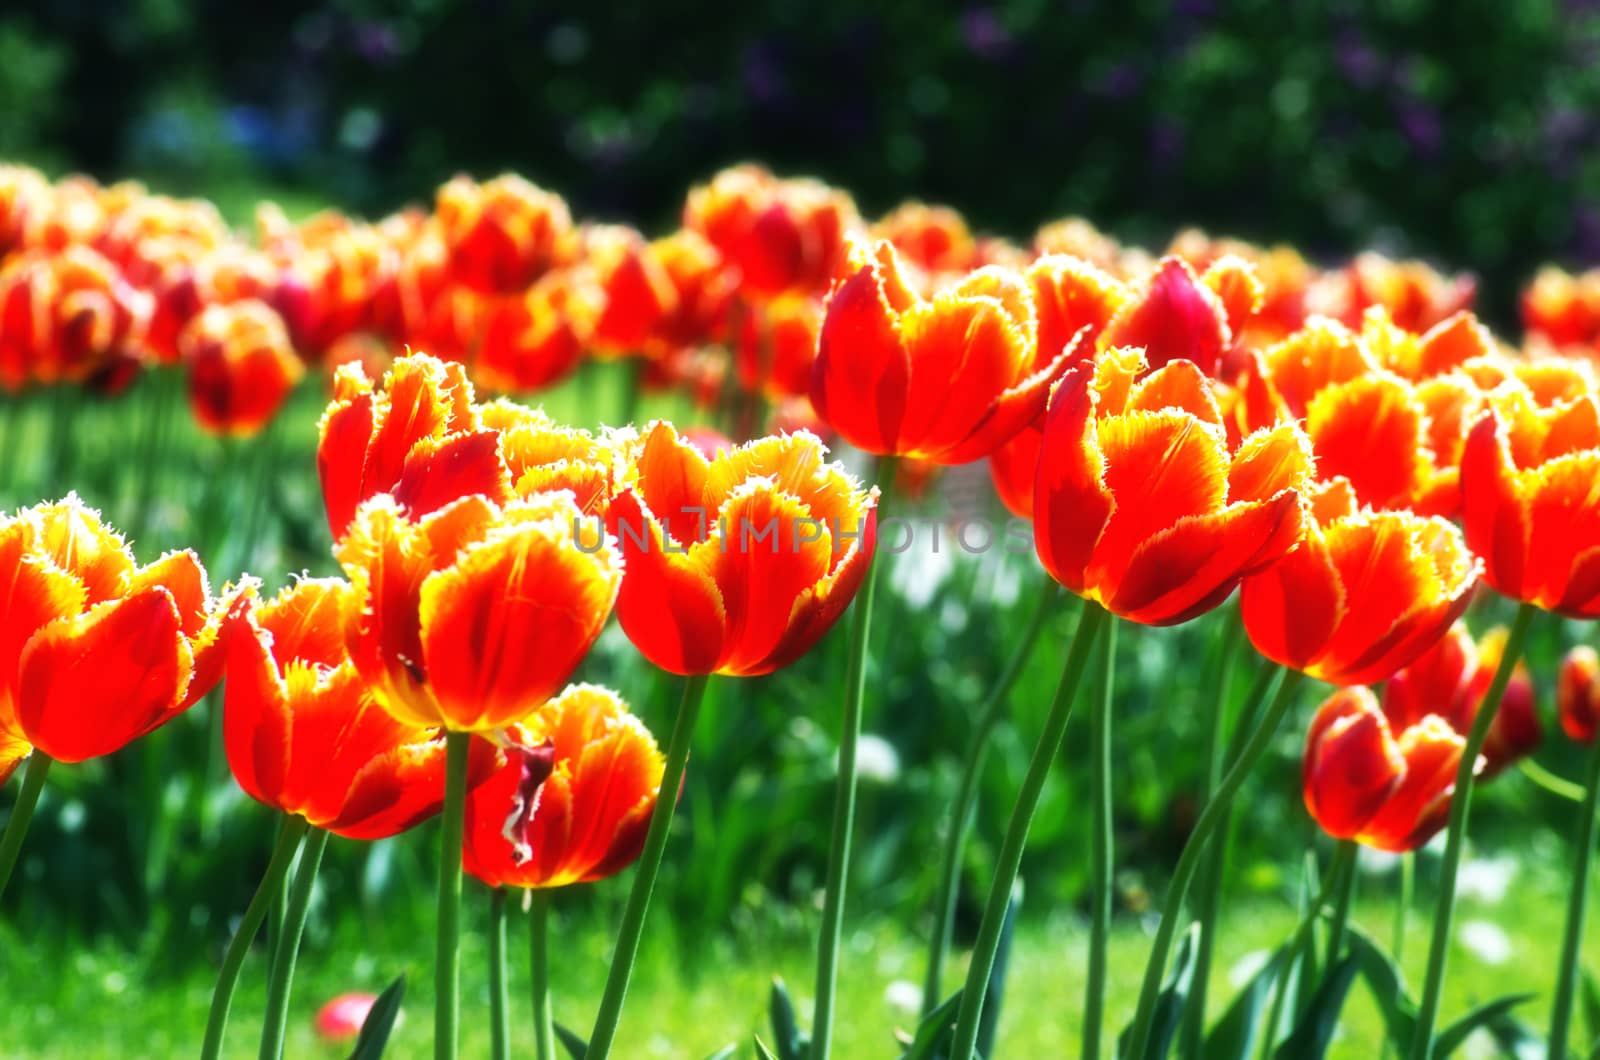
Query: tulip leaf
[(1590, 997), (1388, 987), (791, 1042), (932, 1039), (1310, 1037), (1517, 1041), (725, 1053), (576, 1047), (994, 995), (380, 1021), (1235, 1034), (762, 1052), (1451, 1038), (1170, 1002)]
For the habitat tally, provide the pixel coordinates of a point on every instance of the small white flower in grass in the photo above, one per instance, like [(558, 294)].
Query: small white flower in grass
[(1486, 879), (904, 997), (877, 760)]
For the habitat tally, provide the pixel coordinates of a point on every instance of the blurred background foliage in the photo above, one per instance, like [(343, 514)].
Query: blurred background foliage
[(1463, 132)]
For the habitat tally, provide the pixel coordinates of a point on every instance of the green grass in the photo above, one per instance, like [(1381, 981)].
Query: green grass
[(694, 995)]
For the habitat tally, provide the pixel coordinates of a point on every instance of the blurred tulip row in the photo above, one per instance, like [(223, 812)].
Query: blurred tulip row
[(1348, 451)]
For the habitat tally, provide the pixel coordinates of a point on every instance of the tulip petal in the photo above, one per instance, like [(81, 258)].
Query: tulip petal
[(1493, 513), (88, 685), (1176, 318), (669, 606), (862, 371), (1416, 810), (1071, 504), (1370, 432), (1269, 462), (1293, 607), (438, 471), (1352, 765)]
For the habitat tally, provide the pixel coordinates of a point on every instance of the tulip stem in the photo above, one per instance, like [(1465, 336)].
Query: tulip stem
[(1456, 834), (288, 947), (1402, 917), (1332, 886), (447, 958), (1090, 621), (1567, 982), (1214, 814), (499, 1004), (33, 775), (1210, 879), (1101, 853), (544, 1024), (228, 977), (844, 795), (655, 844), (989, 716), (1346, 858)]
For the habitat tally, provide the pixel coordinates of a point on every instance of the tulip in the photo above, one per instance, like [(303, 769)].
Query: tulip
[(341, 1019), (1140, 506), (241, 367), (1528, 503), (934, 238), (94, 650), (69, 317), (1070, 294), (737, 564), (1450, 680), (1173, 317), (302, 734), (1578, 695), (777, 347), (1362, 782), (703, 288), (638, 290), (947, 379), (418, 438), (328, 287), (533, 340), (503, 234), (1562, 308)]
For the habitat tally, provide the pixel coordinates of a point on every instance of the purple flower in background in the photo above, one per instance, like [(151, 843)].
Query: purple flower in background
[(1586, 235), (1166, 143), (1421, 126), (1120, 81), (1356, 59), (762, 73), (984, 34), (377, 42)]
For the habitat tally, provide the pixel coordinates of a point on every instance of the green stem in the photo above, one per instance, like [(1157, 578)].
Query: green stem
[(1100, 850), (33, 775), (966, 792), (655, 844), (1090, 621), (1210, 877), (1402, 915), (1215, 813), (447, 958), (1346, 857), (544, 1024), (228, 977), (1455, 837), (1332, 883), (499, 1004), (1567, 983), (844, 798), (1560, 787), (288, 947)]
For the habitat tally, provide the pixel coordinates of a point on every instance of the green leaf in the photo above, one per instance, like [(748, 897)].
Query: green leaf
[(792, 1043), (762, 1052), (379, 1024), (725, 1053), (1388, 987), (989, 1022), (1310, 1038), (576, 1046), (1590, 998), (1170, 1002), (1235, 1034), (1516, 1039), (934, 1031), (1451, 1038)]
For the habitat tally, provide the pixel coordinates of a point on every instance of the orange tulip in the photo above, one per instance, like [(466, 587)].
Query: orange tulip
[(504, 234), (95, 651), (419, 438), (1414, 294), (1578, 694), (69, 317), (1138, 502), (241, 367), (1450, 680), (574, 799), (534, 340), (781, 235), (1013, 468), (1173, 317), (934, 238), (1562, 308), (703, 287), (1070, 294), (1529, 504), (639, 292), (302, 734), (327, 290), (1077, 238), (777, 347), (474, 615), (739, 563), (1371, 431), (542, 456), (1361, 782), (1366, 593), (947, 379)]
